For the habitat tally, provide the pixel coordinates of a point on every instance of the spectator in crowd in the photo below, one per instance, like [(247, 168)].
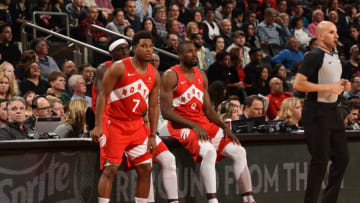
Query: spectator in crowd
[(312, 45), (129, 32), (143, 8), (250, 17), (261, 82), (20, 13), (171, 46), (239, 41), (172, 27), (191, 28), (77, 12), (47, 63), (227, 111), (7, 89), (57, 107), (269, 32), (285, 19), (204, 57), (198, 19), (148, 24), (195, 5), (236, 57), (300, 32), (351, 66), (282, 6), (352, 39), (298, 12), (237, 19), (41, 107), (225, 11), (355, 88), (57, 82), (78, 85), (341, 24), (317, 17), (226, 32), (217, 92), (160, 20), (58, 21), (279, 71), (3, 111), (29, 56), (69, 69), (98, 37), (28, 97), (218, 45), (290, 111), (173, 13), (276, 97), (184, 13), (87, 71), (44, 20), (352, 118), (238, 106), (74, 122), (8, 51), (118, 22), (256, 57), (288, 56), (14, 129), (130, 14), (155, 61), (8, 69), (33, 81), (252, 40), (254, 107), (211, 29)]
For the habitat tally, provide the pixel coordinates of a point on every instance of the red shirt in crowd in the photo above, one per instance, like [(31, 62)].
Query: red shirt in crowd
[(275, 102), (96, 33)]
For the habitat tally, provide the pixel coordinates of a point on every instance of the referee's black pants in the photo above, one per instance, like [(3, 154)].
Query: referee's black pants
[(326, 140)]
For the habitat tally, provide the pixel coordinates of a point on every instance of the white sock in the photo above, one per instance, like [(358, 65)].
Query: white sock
[(168, 174), (103, 200), (151, 197), (207, 168), (248, 199), (140, 200), (213, 200)]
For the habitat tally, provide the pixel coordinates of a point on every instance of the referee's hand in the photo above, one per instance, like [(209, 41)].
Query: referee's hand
[(336, 87)]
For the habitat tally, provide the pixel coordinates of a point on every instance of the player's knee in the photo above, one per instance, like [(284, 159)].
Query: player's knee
[(240, 152), (143, 170), (169, 162), (207, 151), (110, 171)]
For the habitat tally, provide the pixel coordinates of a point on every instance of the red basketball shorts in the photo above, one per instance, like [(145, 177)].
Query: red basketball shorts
[(121, 136)]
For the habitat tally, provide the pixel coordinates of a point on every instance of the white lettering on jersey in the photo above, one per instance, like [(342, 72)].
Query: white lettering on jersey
[(129, 90), (191, 92)]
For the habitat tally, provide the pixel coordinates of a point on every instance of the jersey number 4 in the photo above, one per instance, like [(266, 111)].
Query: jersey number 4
[(137, 102)]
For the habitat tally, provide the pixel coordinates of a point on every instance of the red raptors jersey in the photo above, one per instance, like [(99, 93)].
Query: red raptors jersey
[(94, 90), (188, 97), (129, 98)]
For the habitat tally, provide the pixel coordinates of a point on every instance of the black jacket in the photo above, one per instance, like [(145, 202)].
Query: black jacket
[(12, 131)]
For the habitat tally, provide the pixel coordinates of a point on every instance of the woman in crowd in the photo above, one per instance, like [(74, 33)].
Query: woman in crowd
[(352, 39), (74, 121), (279, 71), (290, 111), (191, 28), (28, 56), (149, 25), (218, 45), (261, 84), (28, 97), (228, 111), (8, 69), (33, 81), (7, 89), (217, 92), (197, 18), (252, 40), (129, 32)]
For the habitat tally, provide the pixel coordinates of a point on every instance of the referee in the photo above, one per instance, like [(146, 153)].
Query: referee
[(320, 76)]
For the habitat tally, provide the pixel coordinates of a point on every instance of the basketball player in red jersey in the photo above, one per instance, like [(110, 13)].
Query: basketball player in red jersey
[(132, 85), (185, 103), (119, 49)]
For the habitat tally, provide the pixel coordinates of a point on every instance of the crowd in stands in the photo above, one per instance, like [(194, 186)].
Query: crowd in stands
[(249, 49)]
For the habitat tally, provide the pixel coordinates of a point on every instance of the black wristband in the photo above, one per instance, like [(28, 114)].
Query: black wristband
[(153, 135)]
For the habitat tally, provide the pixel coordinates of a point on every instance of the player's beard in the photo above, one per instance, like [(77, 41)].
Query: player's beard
[(190, 63)]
